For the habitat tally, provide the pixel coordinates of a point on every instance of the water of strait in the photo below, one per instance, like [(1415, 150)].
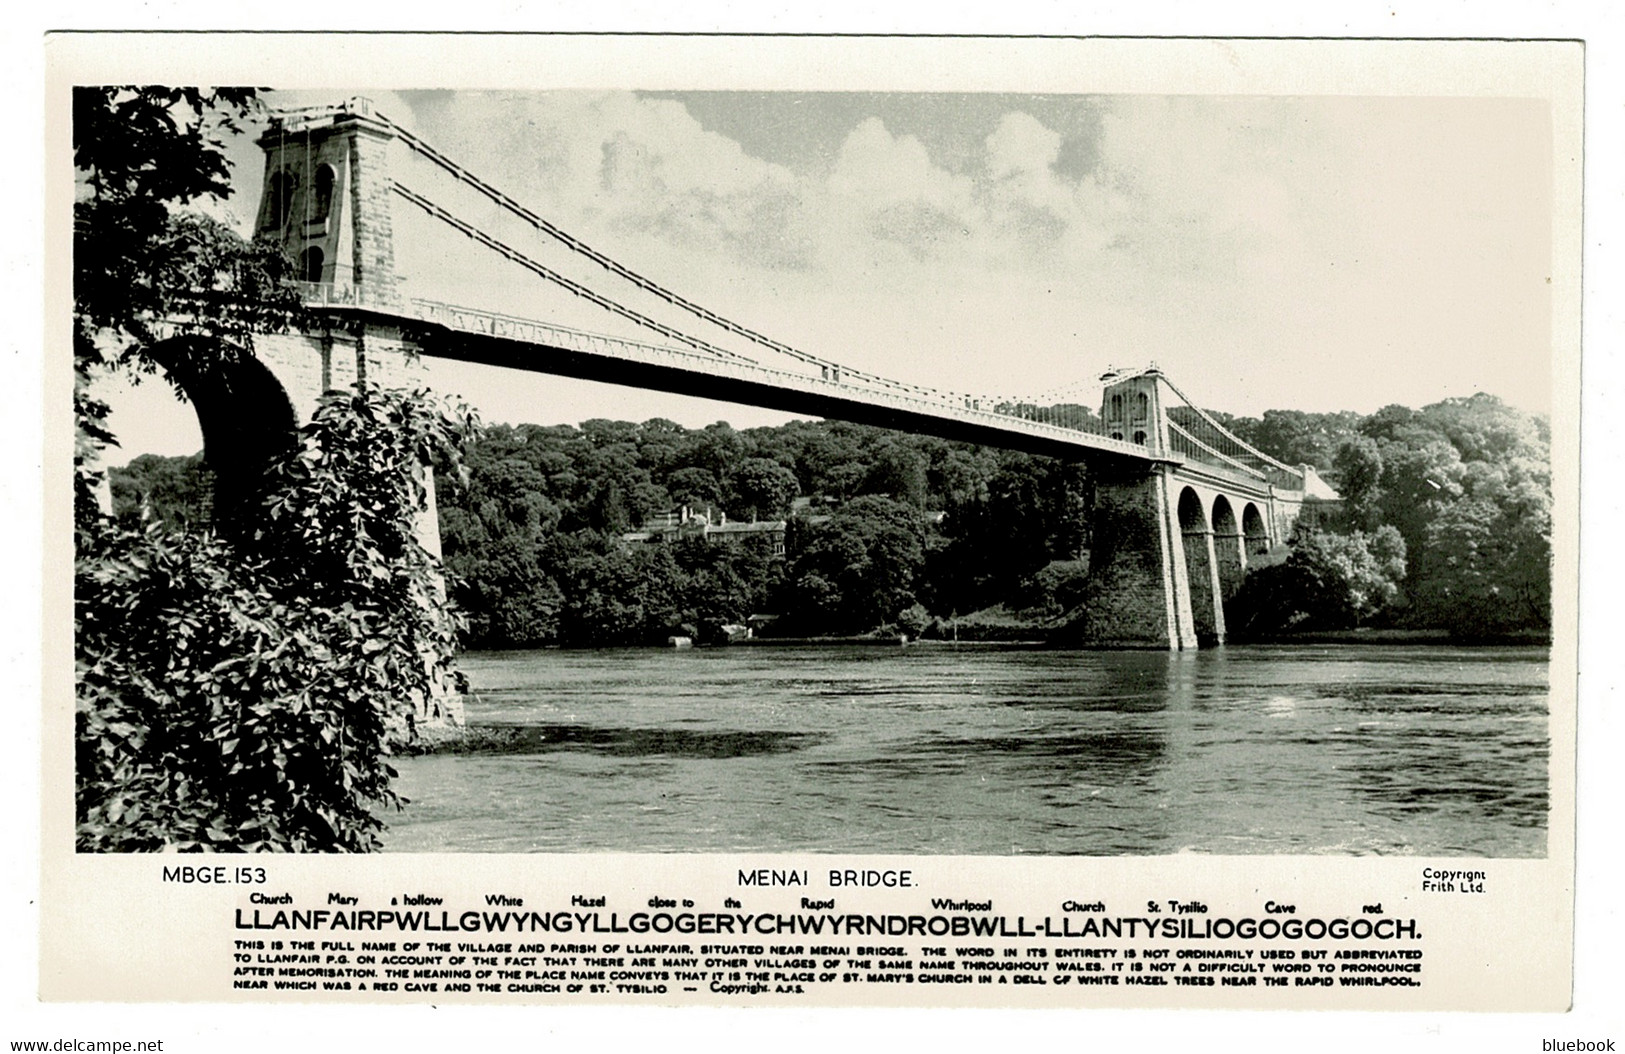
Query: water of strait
[(943, 750)]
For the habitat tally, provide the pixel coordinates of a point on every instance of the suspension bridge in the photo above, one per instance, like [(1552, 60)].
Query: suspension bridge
[(1181, 503)]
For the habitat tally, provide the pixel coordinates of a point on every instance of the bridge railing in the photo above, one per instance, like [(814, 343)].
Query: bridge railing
[(491, 323), (1227, 468), (496, 324)]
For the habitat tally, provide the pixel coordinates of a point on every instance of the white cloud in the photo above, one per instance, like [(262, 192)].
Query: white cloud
[(1208, 228), (1314, 253), (879, 169), (1021, 145)]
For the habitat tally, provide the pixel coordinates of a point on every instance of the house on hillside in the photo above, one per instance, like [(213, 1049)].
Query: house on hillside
[(668, 527), (1322, 505)]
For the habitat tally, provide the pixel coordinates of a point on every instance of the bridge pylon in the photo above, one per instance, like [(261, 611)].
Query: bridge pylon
[(1138, 593), (1133, 409), (1176, 531), (327, 199)]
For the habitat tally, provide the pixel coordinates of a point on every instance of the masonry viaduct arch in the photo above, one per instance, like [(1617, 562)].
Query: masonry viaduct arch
[(243, 411), (1174, 537)]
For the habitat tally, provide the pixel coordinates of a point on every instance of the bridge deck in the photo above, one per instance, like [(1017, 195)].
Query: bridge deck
[(470, 335), (693, 366), (493, 339)]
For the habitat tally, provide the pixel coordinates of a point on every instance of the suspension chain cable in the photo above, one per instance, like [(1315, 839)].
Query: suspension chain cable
[(1226, 432), (553, 276), (575, 244), (508, 204), (1177, 430)]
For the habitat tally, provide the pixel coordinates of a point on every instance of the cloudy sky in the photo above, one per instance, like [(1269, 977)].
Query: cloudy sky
[(1316, 253)]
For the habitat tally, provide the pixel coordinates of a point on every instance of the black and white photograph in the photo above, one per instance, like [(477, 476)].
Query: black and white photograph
[(824, 521), (916, 472)]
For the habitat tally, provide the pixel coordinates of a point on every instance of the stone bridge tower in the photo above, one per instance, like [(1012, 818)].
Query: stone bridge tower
[(1132, 409), (327, 199), (1175, 534), (1139, 589)]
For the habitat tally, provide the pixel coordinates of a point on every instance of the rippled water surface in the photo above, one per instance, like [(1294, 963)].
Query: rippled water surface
[(927, 749)]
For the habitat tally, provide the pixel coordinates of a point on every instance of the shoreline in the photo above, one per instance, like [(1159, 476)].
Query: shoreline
[(1376, 637), (1404, 637)]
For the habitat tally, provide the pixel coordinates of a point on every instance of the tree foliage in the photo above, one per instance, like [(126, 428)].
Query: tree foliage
[(619, 595), (1466, 484), (860, 569), (1328, 582), (764, 488), (1005, 531), (174, 491), (241, 689), (1295, 436), (144, 272), (527, 529), (249, 698)]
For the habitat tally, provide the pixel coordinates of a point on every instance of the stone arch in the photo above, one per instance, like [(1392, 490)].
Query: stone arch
[(244, 413), (1252, 525), (283, 184), (1142, 406), (1192, 516), (1229, 547), (312, 264), (1201, 569), (322, 192), (1140, 437)]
